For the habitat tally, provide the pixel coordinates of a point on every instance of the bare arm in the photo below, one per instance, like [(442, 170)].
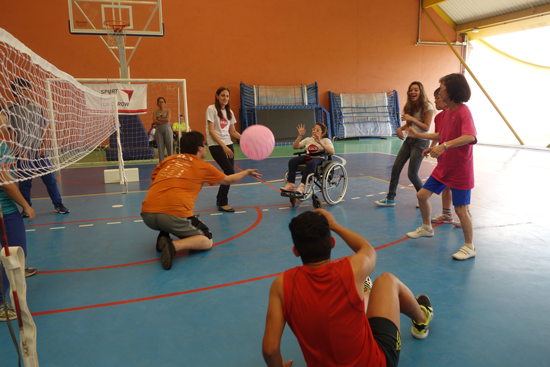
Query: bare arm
[(364, 260), (228, 180), (301, 132), (13, 192), (234, 132), (458, 142), (274, 326)]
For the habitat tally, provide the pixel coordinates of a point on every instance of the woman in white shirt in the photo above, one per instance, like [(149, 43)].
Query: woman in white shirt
[(418, 114), (220, 127), (316, 144)]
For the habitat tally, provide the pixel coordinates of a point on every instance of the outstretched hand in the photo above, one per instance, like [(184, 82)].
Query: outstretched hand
[(301, 129), (252, 172), (288, 364), (426, 152)]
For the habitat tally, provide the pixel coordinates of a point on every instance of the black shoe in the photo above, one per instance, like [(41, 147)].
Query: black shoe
[(168, 252), (61, 209), (161, 234), (29, 272), (230, 210)]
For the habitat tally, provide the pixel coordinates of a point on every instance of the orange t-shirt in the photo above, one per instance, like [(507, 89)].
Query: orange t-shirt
[(178, 181)]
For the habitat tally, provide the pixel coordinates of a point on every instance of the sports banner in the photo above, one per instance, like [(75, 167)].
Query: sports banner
[(131, 98)]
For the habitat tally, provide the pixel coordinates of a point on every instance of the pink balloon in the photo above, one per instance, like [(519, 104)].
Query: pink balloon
[(257, 142)]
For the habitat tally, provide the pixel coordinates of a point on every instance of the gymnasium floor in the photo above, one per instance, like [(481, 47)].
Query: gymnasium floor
[(101, 298)]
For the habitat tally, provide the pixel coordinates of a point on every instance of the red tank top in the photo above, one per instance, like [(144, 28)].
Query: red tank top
[(324, 311)]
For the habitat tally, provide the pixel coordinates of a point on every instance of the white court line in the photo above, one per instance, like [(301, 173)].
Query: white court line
[(244, 211), (57, 227), (216, 213), (284, 208), (139, 220), (86, 225), (113, 223), (380, 193), (30, 230), (118, 206), (265, 210), (410, 184), (355, 198)]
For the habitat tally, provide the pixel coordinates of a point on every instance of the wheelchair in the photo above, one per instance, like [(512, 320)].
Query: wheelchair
[(330, 178)]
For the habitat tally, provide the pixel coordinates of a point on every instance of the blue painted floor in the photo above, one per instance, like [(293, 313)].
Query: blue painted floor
[(101, 297)]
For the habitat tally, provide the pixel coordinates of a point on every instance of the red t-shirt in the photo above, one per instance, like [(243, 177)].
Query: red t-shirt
[(324, 311), (437, 121), (178, 181), (455, 166)]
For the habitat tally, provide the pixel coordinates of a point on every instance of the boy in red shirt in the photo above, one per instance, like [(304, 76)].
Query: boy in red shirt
[(324, 302), (455, 165), (175, 185)]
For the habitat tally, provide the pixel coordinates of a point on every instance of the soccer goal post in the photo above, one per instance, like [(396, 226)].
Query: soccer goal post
[(137, 102)]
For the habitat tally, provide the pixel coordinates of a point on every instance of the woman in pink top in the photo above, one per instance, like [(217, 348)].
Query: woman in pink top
[(455, 165)]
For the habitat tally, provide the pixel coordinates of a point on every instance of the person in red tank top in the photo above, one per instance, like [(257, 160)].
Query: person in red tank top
[(336, 321)]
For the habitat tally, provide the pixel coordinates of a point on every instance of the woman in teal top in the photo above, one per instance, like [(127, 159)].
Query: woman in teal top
[(9, 197)]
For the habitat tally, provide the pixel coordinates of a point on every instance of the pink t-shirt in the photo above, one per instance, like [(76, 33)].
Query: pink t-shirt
[(438, 121), (455, 166)]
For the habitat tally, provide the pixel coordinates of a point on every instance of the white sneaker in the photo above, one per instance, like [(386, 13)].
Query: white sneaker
[(456, 223), (367, 286), (421, 232), (300, 189), (288, 187), (443, 218), (464, 253)]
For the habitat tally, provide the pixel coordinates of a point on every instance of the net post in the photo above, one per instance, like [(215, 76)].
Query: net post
[(119, 145), (183, 90), (55, 147)]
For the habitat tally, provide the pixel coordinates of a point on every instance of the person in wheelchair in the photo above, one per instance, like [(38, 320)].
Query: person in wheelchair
[(316, 145)]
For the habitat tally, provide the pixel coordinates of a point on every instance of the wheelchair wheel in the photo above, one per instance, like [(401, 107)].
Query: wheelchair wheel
[(317, 204), (335, 183)]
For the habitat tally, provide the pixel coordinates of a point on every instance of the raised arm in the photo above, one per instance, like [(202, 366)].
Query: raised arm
[(301, 132), (364, 260)]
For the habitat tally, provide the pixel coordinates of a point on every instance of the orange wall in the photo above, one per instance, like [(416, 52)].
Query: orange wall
[(346, 46)]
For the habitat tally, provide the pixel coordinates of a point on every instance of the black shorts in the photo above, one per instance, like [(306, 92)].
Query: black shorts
[(386, 334), (178, 226)]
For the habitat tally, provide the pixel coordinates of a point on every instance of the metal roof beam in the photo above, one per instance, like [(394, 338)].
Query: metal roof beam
[(506, 18), (431, 3)]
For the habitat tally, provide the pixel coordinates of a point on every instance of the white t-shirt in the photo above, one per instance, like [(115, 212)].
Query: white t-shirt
[(221, 128), (417, 115), (313, 147)]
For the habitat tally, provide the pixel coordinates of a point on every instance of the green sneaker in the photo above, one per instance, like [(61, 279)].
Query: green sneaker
[(10, 312), (420, 331), (368, 284)]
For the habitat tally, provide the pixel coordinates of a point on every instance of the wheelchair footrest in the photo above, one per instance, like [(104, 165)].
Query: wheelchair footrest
[(291, 194)]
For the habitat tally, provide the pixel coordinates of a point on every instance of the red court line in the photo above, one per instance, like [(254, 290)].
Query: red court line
[(185, 292), (154, 297), (258, 220)]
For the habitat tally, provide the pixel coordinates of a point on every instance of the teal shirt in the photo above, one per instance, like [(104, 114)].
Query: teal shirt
[(7, 162)]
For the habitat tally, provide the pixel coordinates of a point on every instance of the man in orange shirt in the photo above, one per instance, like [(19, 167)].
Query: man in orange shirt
[(175, 185), (324, 302)]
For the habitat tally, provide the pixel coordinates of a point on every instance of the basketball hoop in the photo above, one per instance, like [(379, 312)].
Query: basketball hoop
[(116, 28)]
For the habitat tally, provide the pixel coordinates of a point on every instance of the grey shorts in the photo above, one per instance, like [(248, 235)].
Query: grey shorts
[(178, 226)]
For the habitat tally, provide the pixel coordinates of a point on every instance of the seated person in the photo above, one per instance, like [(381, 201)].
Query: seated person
[(151, 134), (324, 302), (175, 185), (318, 143), (179, 126)]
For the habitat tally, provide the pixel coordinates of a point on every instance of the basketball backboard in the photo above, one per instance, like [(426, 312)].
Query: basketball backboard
[(88, 17)]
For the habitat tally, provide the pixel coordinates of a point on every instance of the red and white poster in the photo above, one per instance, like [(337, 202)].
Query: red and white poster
[(131, 98)]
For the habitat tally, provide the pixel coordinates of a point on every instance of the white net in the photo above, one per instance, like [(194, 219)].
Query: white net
[(365, 115), (138, 138), (48, 119), (280, 96)]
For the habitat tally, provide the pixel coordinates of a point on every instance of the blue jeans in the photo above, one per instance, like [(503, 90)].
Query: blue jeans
[(295, 162), (412, 149), (48, 179), (15, 232)]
